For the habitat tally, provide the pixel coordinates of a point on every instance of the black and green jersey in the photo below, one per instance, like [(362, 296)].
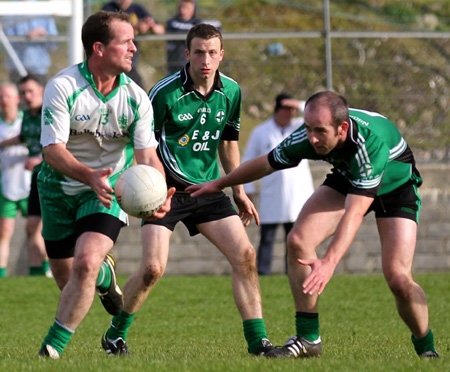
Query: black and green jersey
[(189, 126), (30, 133), (375, 158)]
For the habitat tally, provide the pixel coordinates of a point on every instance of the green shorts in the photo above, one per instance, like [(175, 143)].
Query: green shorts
[(10, 208), (61, 211)]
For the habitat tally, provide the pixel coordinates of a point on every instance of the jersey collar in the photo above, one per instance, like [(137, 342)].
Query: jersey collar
[(351, 142), (188, 83), (123, 80)]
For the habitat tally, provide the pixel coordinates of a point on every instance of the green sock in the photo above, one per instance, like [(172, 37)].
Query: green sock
[(58, 336), (45, 266), (104, 278), (307, 325), (424, 344), (254, 332), (3, 272), (36, 271), (119, 325)]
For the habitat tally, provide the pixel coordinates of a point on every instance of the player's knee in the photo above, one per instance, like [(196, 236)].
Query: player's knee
[(247, 260), (32, 230), (399, 284), (296, 246), (151, 274), (85, 268)]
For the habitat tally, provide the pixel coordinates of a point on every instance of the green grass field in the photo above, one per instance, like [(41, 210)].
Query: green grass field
[(191, 324)]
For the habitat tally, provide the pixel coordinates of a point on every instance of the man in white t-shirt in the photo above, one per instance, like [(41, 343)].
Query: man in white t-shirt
[(95, 120), (281, 194)]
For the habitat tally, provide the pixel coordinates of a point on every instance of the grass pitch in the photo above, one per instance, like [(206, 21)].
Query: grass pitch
[(191, 324)]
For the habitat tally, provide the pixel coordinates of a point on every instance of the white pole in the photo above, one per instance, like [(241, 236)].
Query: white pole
[(12, 53), (326, 16), (76, 23)]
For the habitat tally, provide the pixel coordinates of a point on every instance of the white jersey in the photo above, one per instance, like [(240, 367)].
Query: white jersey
[(99, 131), (282, 193), (15, 178)]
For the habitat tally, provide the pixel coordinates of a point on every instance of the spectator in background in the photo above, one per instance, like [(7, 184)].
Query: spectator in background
[(282, 194), (31, 92), (181, 23), (142, 22), (33, 54), (15, 179)]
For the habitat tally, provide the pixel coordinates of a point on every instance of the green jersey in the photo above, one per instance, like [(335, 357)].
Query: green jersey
[(30, 133), (189, 126), (375, 158)]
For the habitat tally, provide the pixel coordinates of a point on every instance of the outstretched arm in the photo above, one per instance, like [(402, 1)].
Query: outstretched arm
[(230, 158), (249, 171), (11, 141)]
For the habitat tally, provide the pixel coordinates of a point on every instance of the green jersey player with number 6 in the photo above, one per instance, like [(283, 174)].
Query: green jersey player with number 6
[(197, 115)]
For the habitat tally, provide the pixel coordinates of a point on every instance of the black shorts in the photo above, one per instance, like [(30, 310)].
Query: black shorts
[(34, 206), (404, 202), (194, 211), (99, 222)]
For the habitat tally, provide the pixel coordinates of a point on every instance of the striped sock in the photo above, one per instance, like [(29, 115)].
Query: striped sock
[(58, 336), (104, 278), (119, 325)]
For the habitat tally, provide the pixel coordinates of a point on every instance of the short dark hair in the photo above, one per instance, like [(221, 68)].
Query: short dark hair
[(29, 77), (203, 31), (280, 98), (97, 28), (336, 103)]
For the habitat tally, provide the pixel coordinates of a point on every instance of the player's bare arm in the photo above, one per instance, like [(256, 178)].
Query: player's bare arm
[(59, 158), (230, 158), (322, 269), (249, 171), (11, 141)]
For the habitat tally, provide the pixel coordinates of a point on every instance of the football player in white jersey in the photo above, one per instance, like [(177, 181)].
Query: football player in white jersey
[(95, 119)]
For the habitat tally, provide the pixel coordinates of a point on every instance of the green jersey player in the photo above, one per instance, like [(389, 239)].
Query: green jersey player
[(373, 170), (95, 119), (197, 113), (31, 92)]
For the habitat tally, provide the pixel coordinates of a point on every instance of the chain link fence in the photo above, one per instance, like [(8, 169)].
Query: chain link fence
[(404, 76)]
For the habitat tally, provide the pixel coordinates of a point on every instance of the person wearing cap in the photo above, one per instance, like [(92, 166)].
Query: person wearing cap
[(281, 194)]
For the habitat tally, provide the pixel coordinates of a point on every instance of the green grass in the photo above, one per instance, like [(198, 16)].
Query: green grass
[(191, 324)]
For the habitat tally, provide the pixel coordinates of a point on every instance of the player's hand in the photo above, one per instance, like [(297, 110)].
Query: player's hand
[(203, 188), (32, 162), (99, 183), (321, 274), (165, 208), (246, 208)]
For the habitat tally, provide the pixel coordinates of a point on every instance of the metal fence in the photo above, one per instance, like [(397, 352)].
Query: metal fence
[(403, 75)]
